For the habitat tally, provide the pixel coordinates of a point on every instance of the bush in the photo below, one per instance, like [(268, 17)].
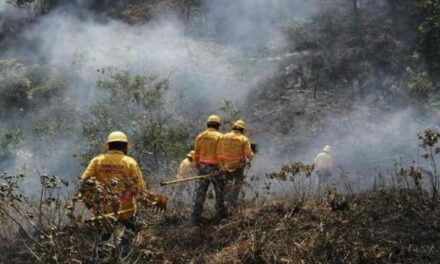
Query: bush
[(26, 87), (137, 106), (9, 141)]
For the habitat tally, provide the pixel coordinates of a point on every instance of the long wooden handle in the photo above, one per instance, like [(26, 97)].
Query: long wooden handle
[(189, 179), (109, 215)]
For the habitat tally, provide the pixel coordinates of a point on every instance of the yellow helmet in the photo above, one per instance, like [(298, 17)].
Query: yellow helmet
[(240, 124), (117, 136), (191, 154), (214, 119)]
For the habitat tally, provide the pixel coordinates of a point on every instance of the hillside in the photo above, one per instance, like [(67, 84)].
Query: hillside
[(373, 227), (377, 227), (361, 76)]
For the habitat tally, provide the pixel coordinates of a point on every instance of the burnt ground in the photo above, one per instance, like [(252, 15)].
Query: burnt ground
[(375, 227), (381, 226)]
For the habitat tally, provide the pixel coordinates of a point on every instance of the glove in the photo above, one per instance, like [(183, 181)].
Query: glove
[(160, 202), (157, 201)]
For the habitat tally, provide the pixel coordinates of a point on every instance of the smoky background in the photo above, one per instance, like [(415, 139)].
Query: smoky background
[(231, 52)]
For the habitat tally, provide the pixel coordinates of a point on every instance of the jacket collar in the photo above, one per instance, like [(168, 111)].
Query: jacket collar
[(115, 152), (236, 132)]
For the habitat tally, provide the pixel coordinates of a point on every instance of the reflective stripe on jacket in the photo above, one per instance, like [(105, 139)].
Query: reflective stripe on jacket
[(206, 147), (121, 175), (233, 148)]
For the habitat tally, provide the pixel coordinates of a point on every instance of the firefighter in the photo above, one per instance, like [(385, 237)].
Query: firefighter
[(323, 166), (205, 157), (119, 179), (234, 153), (187, 168)]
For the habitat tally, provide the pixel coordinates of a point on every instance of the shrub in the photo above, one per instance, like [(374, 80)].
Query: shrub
[(137, 106)]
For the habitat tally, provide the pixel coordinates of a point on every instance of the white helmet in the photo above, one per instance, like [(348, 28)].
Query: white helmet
[(327, 149)]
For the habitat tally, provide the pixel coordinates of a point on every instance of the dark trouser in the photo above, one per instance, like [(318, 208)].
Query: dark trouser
[(130, 223), (234, 183), (202, 188), (323, 177)]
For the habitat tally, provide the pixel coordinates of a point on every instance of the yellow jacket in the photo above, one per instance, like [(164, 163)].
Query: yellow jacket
[(206, 147), (233, 149), (121, 176), (186, 169), (323, 161)]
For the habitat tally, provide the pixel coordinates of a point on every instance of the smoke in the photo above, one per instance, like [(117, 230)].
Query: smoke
[(253, 25), (369, 134), (85, 44), (225, 55), (366, 143), (208, 63), (3, 6), (214, 58), (10, 15)]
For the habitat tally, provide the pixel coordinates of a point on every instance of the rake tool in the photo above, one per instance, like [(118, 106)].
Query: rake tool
[(201, 177), (157, 201)]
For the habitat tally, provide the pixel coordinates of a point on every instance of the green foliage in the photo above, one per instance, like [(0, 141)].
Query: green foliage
[(420, 84), (231, 113), (301, 38), (348, 46), (26, 87), (137, 106), (422, 17), (9, 140), (54, 126), (415, 87), (14, 85), (26, 91), (429, 30), (37, 7), (390, 49)]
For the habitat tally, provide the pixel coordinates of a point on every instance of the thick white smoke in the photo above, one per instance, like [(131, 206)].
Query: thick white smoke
[(365, 143), (206, 67), (3, 6), (213, 60)]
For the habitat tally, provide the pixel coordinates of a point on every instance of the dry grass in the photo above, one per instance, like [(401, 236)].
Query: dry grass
[(381, 227), (374, 227)]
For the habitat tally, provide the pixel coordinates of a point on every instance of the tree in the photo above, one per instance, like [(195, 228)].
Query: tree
[(137, 106), (429, 38)]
